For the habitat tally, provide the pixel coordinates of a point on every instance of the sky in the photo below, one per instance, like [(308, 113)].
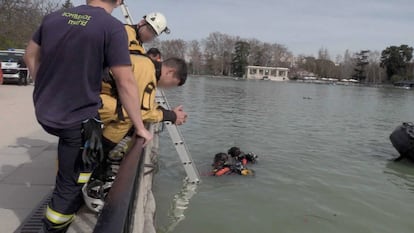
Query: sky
[(304, 26)]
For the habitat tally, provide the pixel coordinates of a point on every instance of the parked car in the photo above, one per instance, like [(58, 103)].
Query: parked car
[(404, 84), (13, 67), (1, 75)]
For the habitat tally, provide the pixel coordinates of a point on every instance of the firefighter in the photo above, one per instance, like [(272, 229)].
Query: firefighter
[(149, 74), (66, 58), (150, 27)]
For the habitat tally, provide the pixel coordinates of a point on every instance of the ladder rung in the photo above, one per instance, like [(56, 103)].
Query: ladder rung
[(182, 150)]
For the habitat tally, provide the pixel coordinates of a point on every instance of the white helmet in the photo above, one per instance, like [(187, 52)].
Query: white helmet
[(158, 22), (94, 193)]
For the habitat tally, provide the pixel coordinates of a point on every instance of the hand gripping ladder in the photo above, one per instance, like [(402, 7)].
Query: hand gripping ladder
[(190, 168)]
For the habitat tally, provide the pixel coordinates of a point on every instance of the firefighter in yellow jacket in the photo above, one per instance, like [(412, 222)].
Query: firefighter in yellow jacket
[(170, 73), (118, 128), (151, 26), (149, 75)]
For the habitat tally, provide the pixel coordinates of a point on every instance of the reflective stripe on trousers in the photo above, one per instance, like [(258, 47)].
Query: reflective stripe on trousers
[(58, 218), (84, 178)]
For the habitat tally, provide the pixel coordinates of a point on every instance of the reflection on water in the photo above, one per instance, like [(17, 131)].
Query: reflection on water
[(401, 174), (179, 205), (324, 160)]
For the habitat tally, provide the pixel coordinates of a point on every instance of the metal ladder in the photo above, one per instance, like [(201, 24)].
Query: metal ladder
[(190, 168)]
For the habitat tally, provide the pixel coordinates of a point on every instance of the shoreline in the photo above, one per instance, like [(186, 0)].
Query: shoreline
[(318, 82)]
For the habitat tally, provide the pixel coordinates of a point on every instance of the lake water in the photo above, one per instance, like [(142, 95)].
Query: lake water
[(324, 162)]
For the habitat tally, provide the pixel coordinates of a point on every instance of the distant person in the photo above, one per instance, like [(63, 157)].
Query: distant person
[(66, 58), (154, 54)]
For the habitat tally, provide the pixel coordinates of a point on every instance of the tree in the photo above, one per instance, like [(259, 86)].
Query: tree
[(260, 53), (240, 56), (266, 54), (195, 57), (281, 56), (67, 4), (218, 48), (323, 54), (326, 68), (374, 72), (173, 48), (347, 66), (395, 59), (307, 63), (361, 63), (321, 67), (19, 19), (255, 52)]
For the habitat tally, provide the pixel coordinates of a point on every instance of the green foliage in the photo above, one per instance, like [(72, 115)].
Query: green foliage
[(321, 67), (361, 63), (395, 59), (240, 56), (6, 43), (19, 19), (396, 78)]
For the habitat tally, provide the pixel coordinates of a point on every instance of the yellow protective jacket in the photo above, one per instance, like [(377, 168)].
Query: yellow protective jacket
[(144, 74), (134, 43)]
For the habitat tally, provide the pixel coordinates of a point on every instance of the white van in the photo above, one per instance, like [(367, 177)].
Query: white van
[(13, 67)]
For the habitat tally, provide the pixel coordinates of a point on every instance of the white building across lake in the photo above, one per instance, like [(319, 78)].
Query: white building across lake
[(267, 73)]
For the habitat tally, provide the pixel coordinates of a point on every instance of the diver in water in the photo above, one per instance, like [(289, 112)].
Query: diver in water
[(239, 156), (222, 165), (402, 138)]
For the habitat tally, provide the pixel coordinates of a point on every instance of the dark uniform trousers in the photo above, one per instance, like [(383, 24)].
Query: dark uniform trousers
[(71, 175)]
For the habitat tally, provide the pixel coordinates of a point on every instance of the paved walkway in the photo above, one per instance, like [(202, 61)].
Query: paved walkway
[(27, 157), (28, 167)]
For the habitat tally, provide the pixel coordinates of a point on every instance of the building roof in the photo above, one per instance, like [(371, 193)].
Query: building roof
[(268, 67)]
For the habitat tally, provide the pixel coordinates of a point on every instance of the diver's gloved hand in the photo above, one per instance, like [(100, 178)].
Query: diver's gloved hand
[(247, 172), (92, 142)]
